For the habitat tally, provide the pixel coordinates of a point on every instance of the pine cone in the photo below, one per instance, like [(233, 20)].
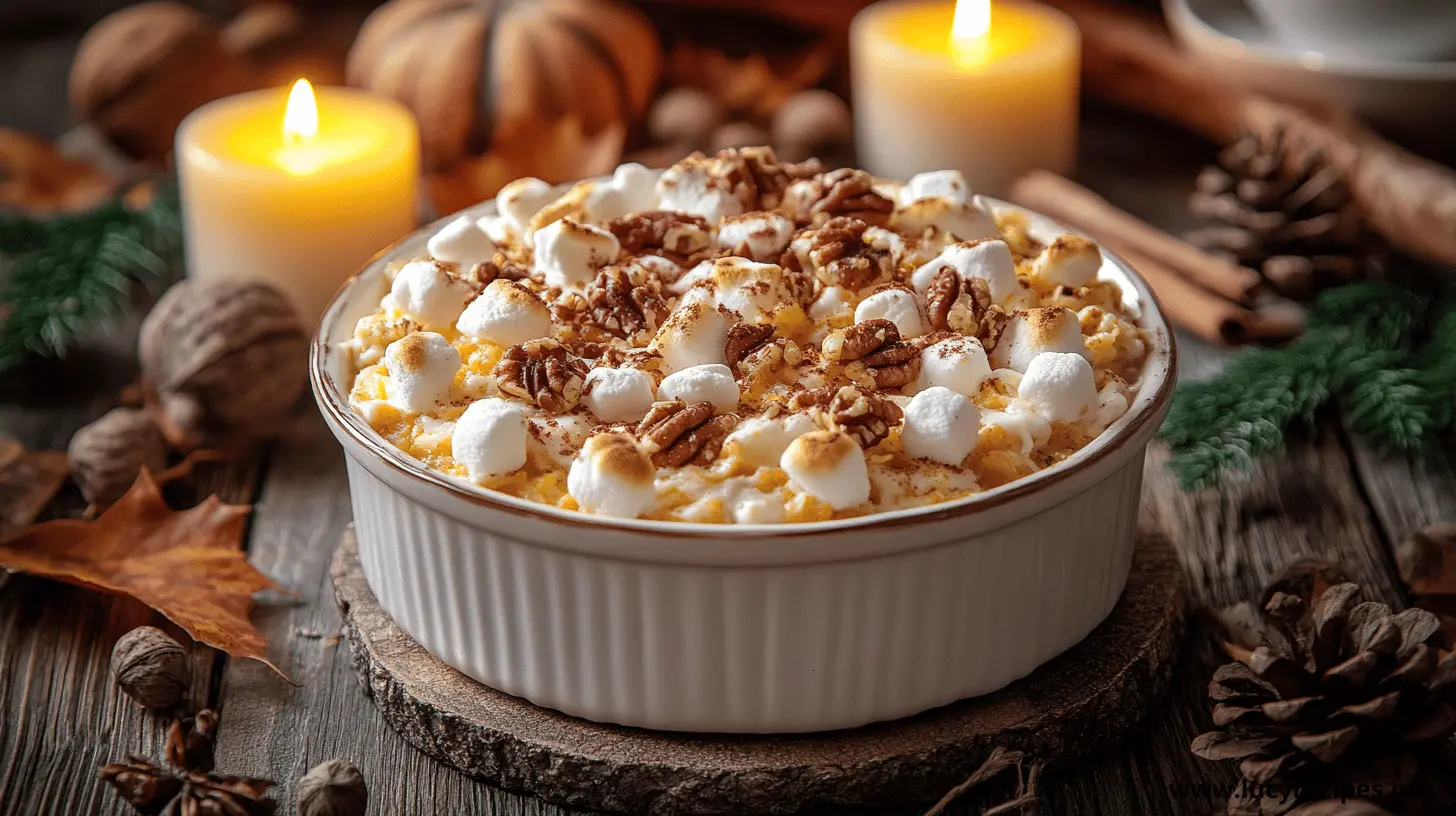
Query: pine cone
[(1329, 692), (1290, 217)]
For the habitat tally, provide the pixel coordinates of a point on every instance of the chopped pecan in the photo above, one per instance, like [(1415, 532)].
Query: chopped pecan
[(851, 192), (756, 177), (745, 339), (964, 306), (678, 434), (625, 308), (544, 372), (842, 258), (661, 232), (866, 417), (482, 274), (892, 363)]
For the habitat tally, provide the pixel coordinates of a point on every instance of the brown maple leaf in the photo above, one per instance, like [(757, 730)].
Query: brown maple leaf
[(1427, 562), (28, 481), (188, 565)]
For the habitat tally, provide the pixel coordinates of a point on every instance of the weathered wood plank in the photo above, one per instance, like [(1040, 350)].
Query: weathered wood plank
[(1407, 493)]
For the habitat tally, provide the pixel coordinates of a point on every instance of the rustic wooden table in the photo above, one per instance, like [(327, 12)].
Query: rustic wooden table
[(61, 718)]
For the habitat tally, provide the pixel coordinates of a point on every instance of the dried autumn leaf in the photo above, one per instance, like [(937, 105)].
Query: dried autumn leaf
[(1427, 563), (28, 481), (188, 565)]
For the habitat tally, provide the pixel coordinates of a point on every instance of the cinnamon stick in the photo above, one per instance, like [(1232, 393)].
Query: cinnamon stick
[(1207, 315), (1129, 59), (1125, 233)]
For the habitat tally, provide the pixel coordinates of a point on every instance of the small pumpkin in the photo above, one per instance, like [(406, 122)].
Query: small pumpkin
[(480, 74)]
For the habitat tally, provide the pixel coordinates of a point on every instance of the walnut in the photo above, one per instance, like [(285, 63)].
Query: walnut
[(624, 308), (105, 456), (224, 361), (842, 258), (876, 344), (333, 788), (851, 192), (865, 417), (745, 339), (544, 372), (679, 434), (661, 232), (965, 307), (483, 274), (756, 177), (150, 667)]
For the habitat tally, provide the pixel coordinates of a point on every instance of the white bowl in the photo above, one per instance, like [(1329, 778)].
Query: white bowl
[(743, 628)]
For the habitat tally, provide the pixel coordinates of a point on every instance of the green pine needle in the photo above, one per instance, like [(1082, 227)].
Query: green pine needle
[(1381, 352), (66, 275)]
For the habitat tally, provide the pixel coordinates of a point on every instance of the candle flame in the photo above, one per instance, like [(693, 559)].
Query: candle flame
[(300, 119), (970, 31)]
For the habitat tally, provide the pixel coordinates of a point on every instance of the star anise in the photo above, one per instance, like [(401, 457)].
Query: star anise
[(186, 785)]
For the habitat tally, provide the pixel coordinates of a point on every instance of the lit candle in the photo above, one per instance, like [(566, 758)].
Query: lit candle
[(991, 92), (294, 192)]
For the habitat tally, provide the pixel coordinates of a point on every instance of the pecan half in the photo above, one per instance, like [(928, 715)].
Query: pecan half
[(842, 258), (678, 434), (745, 339), (544, 372), (851, 192), (964, 306), (623, 307), (661, 232), (892, 363), (865, 417)]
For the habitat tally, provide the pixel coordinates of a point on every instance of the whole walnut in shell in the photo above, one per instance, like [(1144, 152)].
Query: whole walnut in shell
[(224, 362), (105, 456)]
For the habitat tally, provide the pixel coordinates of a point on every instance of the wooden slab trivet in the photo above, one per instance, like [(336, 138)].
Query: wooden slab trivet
[(1081, 702)]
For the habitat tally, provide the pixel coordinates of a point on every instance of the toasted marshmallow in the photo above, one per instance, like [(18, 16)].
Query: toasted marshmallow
[(506, 313), (522, 199), (618, 394), (1035, 331), (1061, 386), (940, 425), (990, 261), (1020, 421), (612, 476), (1112, 403), (490, 439), (958, 363), (463, 242), (428, 294), (755, 291), (946, 184), (760, 236), (569, 253), (761, 442), (497, 228), (832, 302), (1070, 260), (887, 241), (959, 220), (899, 306), (689, 187), (665, 269), (702, 383), (692, 335), (829, 466), (557, 438), (422, 367), (631, 189)]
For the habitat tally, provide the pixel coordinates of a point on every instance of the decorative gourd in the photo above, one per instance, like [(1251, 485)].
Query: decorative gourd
[(480, 74)]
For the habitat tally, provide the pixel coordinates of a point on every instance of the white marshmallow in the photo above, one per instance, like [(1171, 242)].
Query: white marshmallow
[(961, 221), (490, 439), (618, 394), (832, 302), (886, 240), (1035, 331), (422, 367), (702, 383), (761, 441), (990, 261), (569, 253), (497, 228), (506, 313), (755, 291), (829, 466), (462, 241), (940, 425), (522, 199), (612, 476), (898, 306), (632, 189), (1070, 260), (1060, 386), (666, 270), (688, 187), (958, 363), (428, 294), (753, 507), (947, 184), (1112, 403), (760, 236), (1019, 420), (558, 438), (692, 335)]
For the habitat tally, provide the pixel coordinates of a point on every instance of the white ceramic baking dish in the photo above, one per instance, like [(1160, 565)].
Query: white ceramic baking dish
[(749, 628)]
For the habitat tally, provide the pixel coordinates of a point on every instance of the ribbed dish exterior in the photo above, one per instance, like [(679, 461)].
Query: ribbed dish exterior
[(783, 648)]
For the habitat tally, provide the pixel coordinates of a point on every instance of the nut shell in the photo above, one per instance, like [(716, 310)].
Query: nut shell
[(150, 667), (105, 456), (333, 788), (225, 362)]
